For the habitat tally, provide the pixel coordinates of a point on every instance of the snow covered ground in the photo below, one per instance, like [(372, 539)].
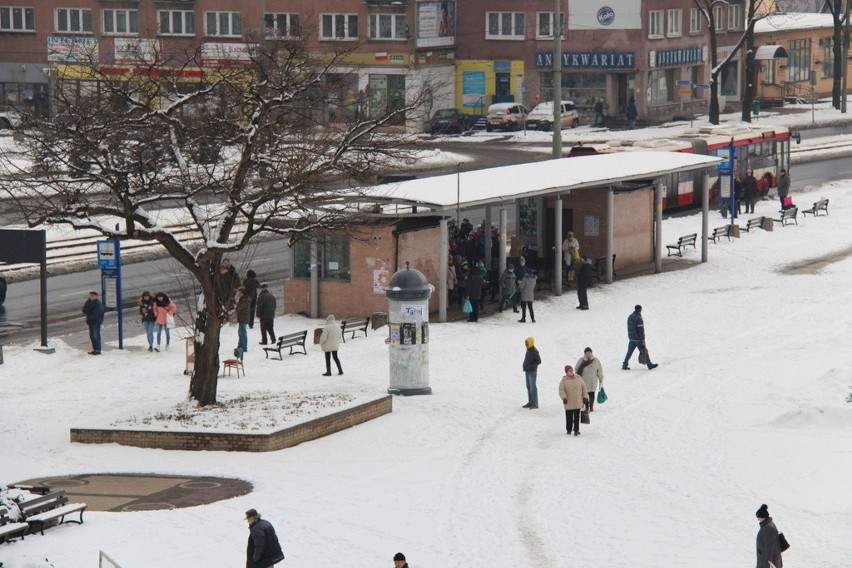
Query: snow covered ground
[(748, 406)]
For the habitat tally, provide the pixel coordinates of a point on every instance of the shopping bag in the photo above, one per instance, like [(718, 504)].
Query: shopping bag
[(643, 356), (467, 307), (602, 396), (584, 417)]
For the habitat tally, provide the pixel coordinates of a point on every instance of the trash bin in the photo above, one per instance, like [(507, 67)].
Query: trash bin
[(755, 107)]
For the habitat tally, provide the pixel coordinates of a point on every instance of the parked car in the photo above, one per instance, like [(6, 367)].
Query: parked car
[(506, 116), (9, 118), (541, 117), (2, 288), (449, 120)]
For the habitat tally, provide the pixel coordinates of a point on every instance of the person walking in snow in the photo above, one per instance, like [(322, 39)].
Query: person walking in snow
[(532, 360), (399, 560), (584, 280), (768, 545), (527, 292), (266, 314), (94, 311), (165, 310), (508, 287), (263, 549), (572, 391), (783, 188), (329, 341), (590, 369), (243, 318), (636, 337), (149, 318)]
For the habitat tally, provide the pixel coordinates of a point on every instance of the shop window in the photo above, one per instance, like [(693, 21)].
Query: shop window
[(660, 86), (176, 22), (827, 44), (582, 88), (674, 19), (504, 25), (332, 258), (387, 95), (17, 19), (730, 79), (73, 20), (281, 25), (799, 60)]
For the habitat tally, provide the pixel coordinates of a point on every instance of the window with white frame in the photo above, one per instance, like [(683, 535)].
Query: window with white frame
[(224, 24), (73, 20), (544, 24), (504, 25), (388, 26), (176, 22), (120, 21), (339, 27), (719, 18), (674, 23), (282, 25), (696, 21), (767, 67), (17, 19), (799, 60), (735, 17), (655, 23)]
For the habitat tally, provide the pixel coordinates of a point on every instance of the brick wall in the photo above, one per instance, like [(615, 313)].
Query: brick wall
[(201, 441)]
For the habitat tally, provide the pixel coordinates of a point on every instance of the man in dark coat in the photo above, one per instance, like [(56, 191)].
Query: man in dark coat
[(94, 310), (749, 191), (243, 319), (532, 360), (263, 549), (474, 292), (636, 337), (584, 280), (251, 285), (768, 545), (783, 187), (266, 314)]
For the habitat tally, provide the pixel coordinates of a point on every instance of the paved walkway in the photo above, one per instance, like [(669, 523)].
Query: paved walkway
[(142, 492)]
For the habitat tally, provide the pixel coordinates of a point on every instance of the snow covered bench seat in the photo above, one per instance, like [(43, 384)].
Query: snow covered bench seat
[(8, 527), (51, 507)]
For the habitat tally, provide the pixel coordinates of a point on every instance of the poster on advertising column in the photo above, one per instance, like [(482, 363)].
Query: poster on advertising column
[(435, 23)]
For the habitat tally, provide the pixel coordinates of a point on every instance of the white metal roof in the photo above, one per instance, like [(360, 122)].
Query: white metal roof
[(495, 185), (765, 52)]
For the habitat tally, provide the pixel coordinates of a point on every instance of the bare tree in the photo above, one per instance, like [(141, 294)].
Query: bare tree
[(234, 152), (753, 14), (838, 16)]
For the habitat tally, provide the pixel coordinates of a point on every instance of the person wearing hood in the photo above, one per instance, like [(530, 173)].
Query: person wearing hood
[(508, 286), (532, 360), (572, 391), (399, 560), (527, 292), (263, 549), (329, 341), (768, 544)]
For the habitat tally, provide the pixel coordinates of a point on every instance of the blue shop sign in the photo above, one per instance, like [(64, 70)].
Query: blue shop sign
[(502, 66), (589, 59), (678, 56)]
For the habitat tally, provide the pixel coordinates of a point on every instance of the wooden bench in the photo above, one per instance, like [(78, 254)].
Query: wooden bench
[(682, 243), (291, 340), (353, 326), (600, 268), (821, 205), (755, 223), (8, 527), (719, 232), (788, 216), (51, 507)]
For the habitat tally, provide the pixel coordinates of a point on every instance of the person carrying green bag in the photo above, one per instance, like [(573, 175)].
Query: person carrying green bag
[(602, 395), (589, 367)]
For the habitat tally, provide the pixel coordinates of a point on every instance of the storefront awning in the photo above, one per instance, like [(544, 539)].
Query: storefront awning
[(770, 52)]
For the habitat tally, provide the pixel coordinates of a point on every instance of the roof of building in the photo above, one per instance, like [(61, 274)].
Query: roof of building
[(551, 177), (793, 21)]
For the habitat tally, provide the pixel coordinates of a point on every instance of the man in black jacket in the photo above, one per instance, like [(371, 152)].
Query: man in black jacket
[(94, 310), (474, 292), (266, 314), (532, 360), (263, 549), (636, 337), (768, 543), (584, 280)]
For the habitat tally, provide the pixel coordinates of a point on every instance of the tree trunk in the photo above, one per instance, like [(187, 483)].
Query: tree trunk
[(750, 75), (714, 100), (205, 378), (837, 68)]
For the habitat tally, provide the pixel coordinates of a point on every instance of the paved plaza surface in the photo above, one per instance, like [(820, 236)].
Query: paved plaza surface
[(142, 492)]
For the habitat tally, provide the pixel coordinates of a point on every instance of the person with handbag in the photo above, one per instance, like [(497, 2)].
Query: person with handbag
[(636, 340), (572, 391), (164, 310), (590, 369), (474, 293), (768, 541)]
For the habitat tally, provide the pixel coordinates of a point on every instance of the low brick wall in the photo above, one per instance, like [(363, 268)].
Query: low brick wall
[(211, 441)]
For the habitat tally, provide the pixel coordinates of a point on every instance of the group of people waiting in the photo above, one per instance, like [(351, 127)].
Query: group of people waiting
[(748, 190), (158, 314)]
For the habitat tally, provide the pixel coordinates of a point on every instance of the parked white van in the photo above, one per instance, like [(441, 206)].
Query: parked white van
[(541, 117), (506, 116)]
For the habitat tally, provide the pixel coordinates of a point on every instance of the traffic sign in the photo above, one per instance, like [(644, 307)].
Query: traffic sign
[(684, 82), (702, 86)]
